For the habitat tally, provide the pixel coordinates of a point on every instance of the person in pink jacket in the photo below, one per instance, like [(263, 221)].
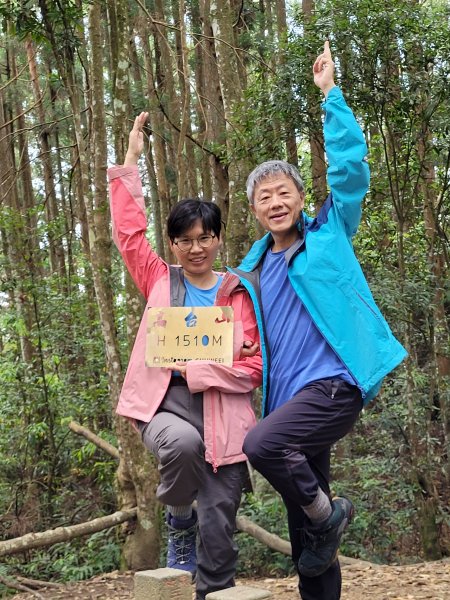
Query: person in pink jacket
[(193, 419)]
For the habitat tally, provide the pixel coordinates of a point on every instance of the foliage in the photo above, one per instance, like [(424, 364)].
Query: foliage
[(255, 558), (73, 561), (384, 502)]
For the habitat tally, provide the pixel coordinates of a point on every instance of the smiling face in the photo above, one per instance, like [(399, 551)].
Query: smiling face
[(277, 204), (197, 262)]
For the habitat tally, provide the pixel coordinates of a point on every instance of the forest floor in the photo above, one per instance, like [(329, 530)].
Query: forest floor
[(360, 581)]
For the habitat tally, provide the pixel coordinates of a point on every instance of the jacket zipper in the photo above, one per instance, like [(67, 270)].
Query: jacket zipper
[(253, 292), (214, 449)]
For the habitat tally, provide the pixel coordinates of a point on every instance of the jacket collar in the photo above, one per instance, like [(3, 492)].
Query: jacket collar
[(260, 247), (230, 284)]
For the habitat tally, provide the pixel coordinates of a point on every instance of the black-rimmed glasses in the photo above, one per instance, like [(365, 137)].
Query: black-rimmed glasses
[(204, 241)]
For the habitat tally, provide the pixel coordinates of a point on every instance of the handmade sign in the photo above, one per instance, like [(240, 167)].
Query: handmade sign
[(180, 334)]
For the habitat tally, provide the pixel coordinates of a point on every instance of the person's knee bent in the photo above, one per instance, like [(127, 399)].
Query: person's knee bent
[(254, 448), (187, 447)]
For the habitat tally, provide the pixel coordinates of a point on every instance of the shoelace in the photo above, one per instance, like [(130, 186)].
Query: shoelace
[(184, 540)]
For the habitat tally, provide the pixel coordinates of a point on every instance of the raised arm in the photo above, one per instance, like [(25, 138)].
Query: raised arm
[(129, 220), (345, 146)]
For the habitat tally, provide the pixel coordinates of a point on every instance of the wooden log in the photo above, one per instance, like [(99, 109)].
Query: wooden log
[(63, 534), (60, 534), (95, 439), (274, 542), (38, 583), (14, 585)]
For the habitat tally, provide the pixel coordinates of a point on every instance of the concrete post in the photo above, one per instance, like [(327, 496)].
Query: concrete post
[(240, 592), (163, 584)]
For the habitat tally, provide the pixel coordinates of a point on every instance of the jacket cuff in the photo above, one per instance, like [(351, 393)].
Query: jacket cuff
[(121, 171), (334, 94)]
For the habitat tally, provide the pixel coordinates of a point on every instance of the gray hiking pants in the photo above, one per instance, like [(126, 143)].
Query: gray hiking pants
[(175, 437)]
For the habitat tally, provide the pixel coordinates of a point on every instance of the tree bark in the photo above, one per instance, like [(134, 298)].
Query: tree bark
[(316, 141), (232, 94), (156, 118), (131, 473), (56, 250), (291, 142), (211, 106)]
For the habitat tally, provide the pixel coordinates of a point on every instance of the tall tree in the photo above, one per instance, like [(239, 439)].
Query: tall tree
[(137, 472), (222, 19)]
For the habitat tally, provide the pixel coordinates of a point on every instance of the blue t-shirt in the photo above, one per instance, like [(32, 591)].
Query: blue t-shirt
[(299, 354), (198, 297)]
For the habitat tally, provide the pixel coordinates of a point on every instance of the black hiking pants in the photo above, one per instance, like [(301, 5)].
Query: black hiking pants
[(291, 448)]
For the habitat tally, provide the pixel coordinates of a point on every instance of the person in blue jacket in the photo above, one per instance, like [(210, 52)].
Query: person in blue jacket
[(325, 343)]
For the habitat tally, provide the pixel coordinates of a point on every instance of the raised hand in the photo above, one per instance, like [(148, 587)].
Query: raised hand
[(323, 70), (136, 140)]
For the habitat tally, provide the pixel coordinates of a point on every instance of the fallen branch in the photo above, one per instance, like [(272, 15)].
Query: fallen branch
[(37, 583), (95, 439), (274, 542), (265, 537), (63, 534), (15, 585), (242, 523)]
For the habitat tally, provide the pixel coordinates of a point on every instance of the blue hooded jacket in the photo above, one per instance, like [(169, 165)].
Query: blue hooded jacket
[(323, 269)]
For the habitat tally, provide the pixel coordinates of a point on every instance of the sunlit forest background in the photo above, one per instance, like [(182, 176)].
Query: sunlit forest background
[(227, 83)]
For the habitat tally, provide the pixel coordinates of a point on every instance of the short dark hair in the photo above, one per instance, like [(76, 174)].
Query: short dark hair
[(189, 210)]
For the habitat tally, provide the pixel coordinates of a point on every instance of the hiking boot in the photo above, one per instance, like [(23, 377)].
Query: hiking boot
[(321, 543), (181, 545)]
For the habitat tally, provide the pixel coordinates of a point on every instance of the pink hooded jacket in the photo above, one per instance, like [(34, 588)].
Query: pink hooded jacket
[(227, 391)]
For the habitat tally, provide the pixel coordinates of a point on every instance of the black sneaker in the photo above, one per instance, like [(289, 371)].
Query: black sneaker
[(321, 543)]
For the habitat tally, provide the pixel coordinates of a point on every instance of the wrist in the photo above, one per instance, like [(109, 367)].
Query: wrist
[(327, 88), (130, 159)]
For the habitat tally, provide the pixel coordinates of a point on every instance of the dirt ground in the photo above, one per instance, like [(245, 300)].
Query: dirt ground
[(361, 581)]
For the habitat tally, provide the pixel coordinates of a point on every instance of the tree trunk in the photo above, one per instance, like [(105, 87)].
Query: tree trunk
[(22, 259), (440, 330), (142, 554), (211, 105), (200, 108), (316, 141), (232, 94), (57, 258), (168, 99), (291, 142)]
